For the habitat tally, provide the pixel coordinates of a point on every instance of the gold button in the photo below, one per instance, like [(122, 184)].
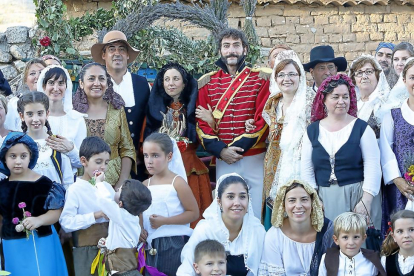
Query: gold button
[(232, 88)]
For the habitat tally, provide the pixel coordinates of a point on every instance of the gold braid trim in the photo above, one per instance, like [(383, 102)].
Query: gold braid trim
[(205, 79), (264, 72)]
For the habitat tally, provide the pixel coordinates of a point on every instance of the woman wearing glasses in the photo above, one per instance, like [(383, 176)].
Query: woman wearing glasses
[(287, 112), (340, 155)]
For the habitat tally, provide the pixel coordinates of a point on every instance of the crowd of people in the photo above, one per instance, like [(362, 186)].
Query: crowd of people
[(107, 180)]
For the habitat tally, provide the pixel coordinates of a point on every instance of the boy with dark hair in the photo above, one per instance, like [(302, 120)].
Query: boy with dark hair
[(210, 258), (81, 214), (123, 210)]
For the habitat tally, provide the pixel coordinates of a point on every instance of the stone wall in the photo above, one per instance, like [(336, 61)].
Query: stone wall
[(15, 45)]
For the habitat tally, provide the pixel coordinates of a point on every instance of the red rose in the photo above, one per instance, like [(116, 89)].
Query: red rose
[(182, 146), (45, 41)]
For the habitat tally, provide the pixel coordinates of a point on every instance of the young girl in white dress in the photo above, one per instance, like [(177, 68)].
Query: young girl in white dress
[(398, 246), (33, 108), (167, 220)]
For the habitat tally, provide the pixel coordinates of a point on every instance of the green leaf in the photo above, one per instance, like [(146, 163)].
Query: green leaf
[(70, 51), (43, 23)]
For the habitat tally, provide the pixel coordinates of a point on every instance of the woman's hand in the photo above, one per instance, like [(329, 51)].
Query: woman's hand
[(249, 124), (156, 221), (206, 115), (99, 214), (32, 223), (59, 143), (405, 188), (143, 236), (364, 206)]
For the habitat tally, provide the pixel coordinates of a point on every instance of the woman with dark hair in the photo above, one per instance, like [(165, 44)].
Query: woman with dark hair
[(400, 54), (300, 234), (340, 154), (106, 119), (230, 221), (171, 110)]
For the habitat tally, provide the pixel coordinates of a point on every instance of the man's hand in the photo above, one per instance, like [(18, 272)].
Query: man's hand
[(230, 155)]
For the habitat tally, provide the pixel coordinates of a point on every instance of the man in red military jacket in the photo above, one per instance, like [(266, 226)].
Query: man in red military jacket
[(235, 93)]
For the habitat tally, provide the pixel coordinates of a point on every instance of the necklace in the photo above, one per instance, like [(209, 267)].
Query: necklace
[(176, 107)]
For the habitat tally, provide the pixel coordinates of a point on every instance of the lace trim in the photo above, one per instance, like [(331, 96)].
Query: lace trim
[(271, 270)]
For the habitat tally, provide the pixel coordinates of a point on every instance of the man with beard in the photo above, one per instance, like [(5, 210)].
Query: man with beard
[(116, 53), (323, 64), (383, 54), (235, 93)]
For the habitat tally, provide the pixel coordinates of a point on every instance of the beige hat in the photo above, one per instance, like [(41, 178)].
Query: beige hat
[(110, 37)]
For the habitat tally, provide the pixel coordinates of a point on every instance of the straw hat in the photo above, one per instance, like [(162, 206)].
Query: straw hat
[(111, 37)]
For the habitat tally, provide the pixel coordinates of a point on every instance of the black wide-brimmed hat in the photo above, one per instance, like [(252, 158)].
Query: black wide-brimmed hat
[(321, 54)]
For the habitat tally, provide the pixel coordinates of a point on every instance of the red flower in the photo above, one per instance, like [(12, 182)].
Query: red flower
[(45, 41), (182, 146)]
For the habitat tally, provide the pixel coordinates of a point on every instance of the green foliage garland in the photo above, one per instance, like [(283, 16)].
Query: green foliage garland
[(86, 24)]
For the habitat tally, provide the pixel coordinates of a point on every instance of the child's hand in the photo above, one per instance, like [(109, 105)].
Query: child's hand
[(32, 223), (99, 215), (144, 235), (59, 143), (99, 176), (249, 124), (156, 221)]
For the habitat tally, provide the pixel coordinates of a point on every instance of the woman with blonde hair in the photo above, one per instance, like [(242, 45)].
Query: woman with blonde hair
[(300, 234)]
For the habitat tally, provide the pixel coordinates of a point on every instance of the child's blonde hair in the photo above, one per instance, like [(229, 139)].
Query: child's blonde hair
[(350, 222), (389, 246)]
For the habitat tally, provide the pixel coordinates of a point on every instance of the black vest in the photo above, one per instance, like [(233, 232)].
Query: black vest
[(349, 166), (393, 268)]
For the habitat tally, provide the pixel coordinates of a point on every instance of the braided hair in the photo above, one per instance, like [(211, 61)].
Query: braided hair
[(34, 97)]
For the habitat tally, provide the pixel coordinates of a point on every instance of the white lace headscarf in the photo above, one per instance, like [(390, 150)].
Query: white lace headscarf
[(295, 123), (399, 92), (379, 96), (176, 164), (67, 99), (252, 232)]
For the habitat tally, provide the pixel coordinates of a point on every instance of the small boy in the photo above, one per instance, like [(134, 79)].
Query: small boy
[(81, 214), (349, 258), (124, 231), (210, 258)]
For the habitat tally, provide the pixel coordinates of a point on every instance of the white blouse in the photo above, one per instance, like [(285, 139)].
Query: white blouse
[(332, 141), (125, 89), (71, 126), (355, 266), (388, 160), (44, 165), (405, 265), (283, 256)]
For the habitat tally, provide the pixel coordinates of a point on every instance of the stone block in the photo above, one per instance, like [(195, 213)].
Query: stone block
[(280, 40), (362, 18), (264, 21), (278, 20), (359, 9), (292, 20), (302, 48), (335, 38), (17, 34), (351, 47), (194, 31), (364, 28), (362, 37), (90, 6), (336, 29), (32, 32), (335, 47), (233, 22), (281, 30), (335, 19), (390, 36), (348, 18), (17, 52), (306, 20), (262, 32), (350, 37), (3, 38), (390, 27), (326, 11), (19, 65), (236, 10), (294, 10), (321, 20), (321, 39), (8, 71), (5, 57), (307, 39), (376, 18), (303, 29), (405, 36), (269, 10), (397, 9), (105, 5), (379, 36), (403, 18), (291, 38), (377, 9), (350, 56), (390, 18), (27, 49), (266, 42), (371, 46)]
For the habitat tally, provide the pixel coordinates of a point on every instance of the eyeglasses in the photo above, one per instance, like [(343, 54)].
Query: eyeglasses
[(367, 72), (121, 49), (289, 75)]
